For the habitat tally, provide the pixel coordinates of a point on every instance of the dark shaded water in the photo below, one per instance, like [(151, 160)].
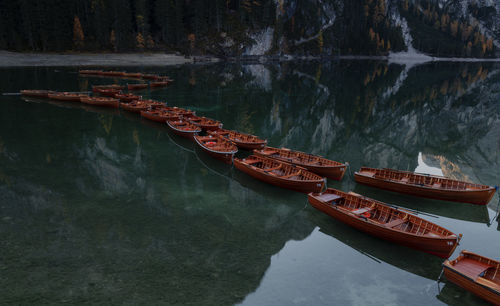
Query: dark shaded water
[(99, 206)]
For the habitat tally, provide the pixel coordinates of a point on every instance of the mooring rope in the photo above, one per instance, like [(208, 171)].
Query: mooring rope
[(498, 205)]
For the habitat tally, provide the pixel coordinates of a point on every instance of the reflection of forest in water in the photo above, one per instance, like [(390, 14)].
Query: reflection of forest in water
[(110, 201)]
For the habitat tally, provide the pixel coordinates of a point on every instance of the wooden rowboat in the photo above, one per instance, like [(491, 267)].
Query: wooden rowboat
[(127, 97), (150, 76), (384, 221), (113, 73), (96, 88), (100, 101), (206, 123), (314, 163), (37, 93), (135, 75), (90, 72), (475, 273), (183, 128), (424, 185), (66, 96), (280, 174), (242, 140), (217, 147), (186, 113), (159, 115), (111, 92), (137, 86), (137, 106), (159, 84)]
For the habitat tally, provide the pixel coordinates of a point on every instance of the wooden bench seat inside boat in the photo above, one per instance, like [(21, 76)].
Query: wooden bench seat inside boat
[(471, 268), (298, 173), (395, 223), (362, 210), (251, 161), (328, 197), (273, 168)]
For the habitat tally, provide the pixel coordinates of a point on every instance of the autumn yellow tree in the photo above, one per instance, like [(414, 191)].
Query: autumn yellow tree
[(78, 36), (140, 43)]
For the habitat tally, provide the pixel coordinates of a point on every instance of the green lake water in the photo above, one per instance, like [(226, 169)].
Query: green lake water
[(99, 206)]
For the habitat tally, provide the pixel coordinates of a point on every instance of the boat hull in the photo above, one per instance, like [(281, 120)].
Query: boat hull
[(134, 109), (36, 93), (158, 118), (301, 186), (469, 284), (137, 86), (62, 97), (249, 146), (478, 197), (442, 247), (108, 103)]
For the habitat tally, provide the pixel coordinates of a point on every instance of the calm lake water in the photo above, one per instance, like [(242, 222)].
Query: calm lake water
[(101, 206)]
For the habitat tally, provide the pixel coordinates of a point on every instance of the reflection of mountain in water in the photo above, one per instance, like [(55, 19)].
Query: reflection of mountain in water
[(342, 110), (130, 213)]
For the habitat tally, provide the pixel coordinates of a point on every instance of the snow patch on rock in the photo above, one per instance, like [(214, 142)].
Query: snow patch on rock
[(263, 42)]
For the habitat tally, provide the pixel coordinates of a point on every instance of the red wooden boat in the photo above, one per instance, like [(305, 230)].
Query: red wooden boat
[(90, 72), (242, 140), (111, 92), (137, 106), (150, 76), (127, 97), (37, 93), (137, 86), (159, 84), (96, 88), (280, 174), (66, 96), (183, 128), (186, 113), (100, 101), (159, 115), (475, 273), (206, 123), (314, 163), (135, 75), (424, 185), (390, 223), (217, 147), (113, 73)]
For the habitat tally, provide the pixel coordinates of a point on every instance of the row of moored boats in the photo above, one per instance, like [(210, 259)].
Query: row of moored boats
[(307, 173)]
